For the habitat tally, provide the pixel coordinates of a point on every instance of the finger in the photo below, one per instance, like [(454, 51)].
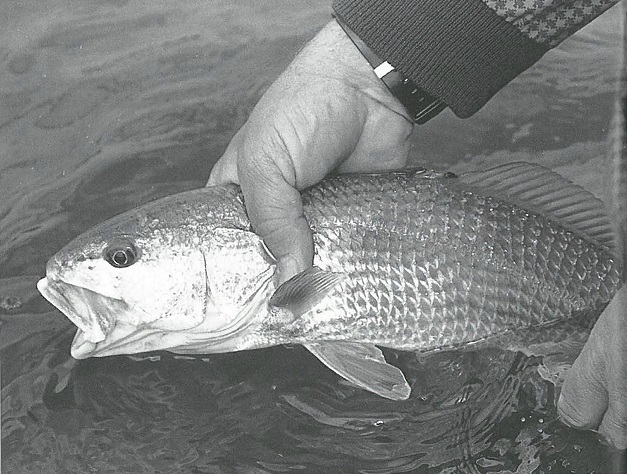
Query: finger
[(275, 210), (225, 169), (584, 398), (614, 424), (594, 388)]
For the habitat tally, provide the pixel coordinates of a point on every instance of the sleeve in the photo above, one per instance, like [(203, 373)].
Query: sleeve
[(464, 51)]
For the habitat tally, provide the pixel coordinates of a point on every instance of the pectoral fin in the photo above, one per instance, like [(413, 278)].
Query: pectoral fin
[(301, 293), (363, 365)]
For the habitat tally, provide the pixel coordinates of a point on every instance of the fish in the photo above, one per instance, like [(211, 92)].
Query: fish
[(416, 260)]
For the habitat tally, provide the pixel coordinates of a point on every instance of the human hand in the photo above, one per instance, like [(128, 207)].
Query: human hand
[(594, 394), (327, 111)]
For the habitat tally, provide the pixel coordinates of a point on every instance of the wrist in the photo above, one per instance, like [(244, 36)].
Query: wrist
[(332, 54), (420, 105)]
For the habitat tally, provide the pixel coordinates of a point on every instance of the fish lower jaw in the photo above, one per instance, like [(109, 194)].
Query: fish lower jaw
[(82, 347), (70, 300)]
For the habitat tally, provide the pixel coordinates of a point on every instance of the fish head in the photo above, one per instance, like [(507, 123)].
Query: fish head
[(142, 282)]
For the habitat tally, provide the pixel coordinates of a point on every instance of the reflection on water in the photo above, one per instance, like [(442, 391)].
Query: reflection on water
[(110, 104), (278, 410)]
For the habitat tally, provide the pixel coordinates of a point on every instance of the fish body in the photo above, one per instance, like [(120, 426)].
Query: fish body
[(412, 260), (439, 265)]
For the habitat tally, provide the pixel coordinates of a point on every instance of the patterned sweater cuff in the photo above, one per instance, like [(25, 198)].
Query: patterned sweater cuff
[(461, 52)]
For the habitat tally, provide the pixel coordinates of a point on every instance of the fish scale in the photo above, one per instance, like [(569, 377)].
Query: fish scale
[(519, 269)]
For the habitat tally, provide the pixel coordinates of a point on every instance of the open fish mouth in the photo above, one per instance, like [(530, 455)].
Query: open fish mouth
[(78, 304)]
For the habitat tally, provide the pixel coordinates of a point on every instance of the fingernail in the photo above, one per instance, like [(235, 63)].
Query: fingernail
[(214, 176)]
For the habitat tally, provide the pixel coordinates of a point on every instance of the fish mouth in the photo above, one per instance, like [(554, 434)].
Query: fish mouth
[(78, 305)]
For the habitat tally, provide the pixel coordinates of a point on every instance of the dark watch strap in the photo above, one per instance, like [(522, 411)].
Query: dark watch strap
[(420, 105)]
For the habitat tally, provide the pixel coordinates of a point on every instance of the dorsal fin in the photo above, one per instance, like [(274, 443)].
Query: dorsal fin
[(539, 189)]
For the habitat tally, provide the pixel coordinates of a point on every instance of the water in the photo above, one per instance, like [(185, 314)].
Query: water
[(106, 105)]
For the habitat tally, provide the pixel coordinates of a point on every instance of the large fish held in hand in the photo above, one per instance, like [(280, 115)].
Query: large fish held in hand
[(413, 260)]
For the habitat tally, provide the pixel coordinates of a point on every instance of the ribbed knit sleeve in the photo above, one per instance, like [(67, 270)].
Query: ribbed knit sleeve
[(461, 51)]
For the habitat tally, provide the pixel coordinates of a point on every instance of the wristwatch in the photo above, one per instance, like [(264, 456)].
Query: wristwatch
[(420, 105)]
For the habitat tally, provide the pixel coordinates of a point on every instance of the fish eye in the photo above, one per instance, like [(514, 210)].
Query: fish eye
[(121, 255)]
